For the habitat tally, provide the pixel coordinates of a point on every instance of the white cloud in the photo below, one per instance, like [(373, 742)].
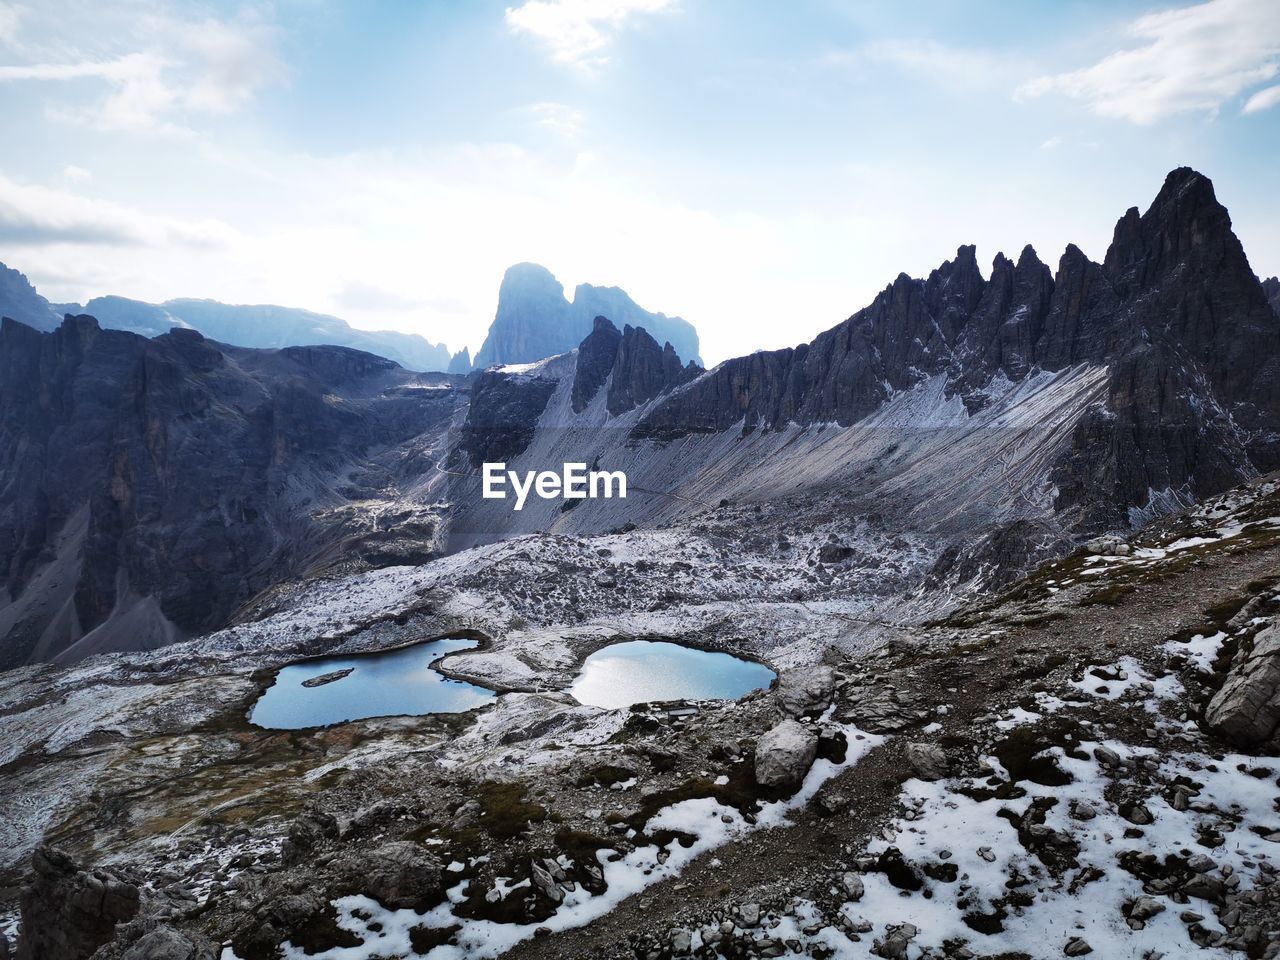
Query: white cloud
[(1190, 59), (33, 215), (559, 118), (953, 66), (10, 22), (579, 32), (75, 174), (1262, 99), (186, 68)]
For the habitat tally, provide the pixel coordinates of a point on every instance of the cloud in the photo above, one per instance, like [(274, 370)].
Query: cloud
[(1262, 99), (10, 21), (1190, 59), (559, 118), (75, 174), (578, 32), (952, 66), (187, 68), (32, 215)]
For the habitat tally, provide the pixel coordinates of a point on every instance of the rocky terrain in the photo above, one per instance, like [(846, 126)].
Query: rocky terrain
[(1083, 760), (1009, 542)]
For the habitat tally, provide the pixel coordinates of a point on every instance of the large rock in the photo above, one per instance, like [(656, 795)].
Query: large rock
[(68, 913), (784, 755), (928, 761), (166, 943), (1247, 708), (399, 875), (806, 691)]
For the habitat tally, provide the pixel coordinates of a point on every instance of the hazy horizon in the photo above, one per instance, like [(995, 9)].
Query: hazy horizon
[(760, 172)]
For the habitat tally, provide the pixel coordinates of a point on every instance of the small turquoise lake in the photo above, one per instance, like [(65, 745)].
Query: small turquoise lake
[(395, 683), (640, 671)]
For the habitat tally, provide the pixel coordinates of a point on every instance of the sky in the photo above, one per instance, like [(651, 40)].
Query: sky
[(761, 169)]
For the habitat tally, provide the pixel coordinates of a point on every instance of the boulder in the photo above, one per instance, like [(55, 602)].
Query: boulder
[(68, 913), (166, 943), (806, 691), (399, 875), (1246, 710), (928, 761), (784, 754)]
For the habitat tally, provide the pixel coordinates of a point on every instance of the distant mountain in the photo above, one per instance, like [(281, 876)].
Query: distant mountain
[(534, 320), (460, 362), (264, 326), (19, 300)]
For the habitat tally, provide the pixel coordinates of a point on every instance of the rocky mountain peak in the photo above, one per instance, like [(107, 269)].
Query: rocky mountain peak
[(596, 357), (640, 369), (534, 320)]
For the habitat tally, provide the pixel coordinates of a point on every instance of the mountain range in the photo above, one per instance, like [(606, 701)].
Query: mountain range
[(1061, 403), (1000, 547)]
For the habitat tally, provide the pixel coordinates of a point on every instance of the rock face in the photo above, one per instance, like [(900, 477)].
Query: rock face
[(1247, 708), (67, 913), (1174, 312), (534, 320), (503, 415), (784, 755), (640, 369), (1271, 287), (151, 486)]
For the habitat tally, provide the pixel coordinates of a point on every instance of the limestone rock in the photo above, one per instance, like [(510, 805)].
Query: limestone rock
[(928, 761), (784, 754), (806, 691), (68, 913), (1247, 708)]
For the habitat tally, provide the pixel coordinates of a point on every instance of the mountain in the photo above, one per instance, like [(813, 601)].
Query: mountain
[(153, 485), (535, 321), (994, 730), (1174, 313), (460, 362), (996, 419), (243, 325), (19, 300)]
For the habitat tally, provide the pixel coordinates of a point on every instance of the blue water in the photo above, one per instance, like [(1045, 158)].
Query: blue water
[(640, 671), (396, 683)]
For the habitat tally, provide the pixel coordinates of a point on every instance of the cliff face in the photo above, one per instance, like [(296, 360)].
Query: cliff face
[(534, 320), (640, 369), (169, 480), (1174, 311)]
